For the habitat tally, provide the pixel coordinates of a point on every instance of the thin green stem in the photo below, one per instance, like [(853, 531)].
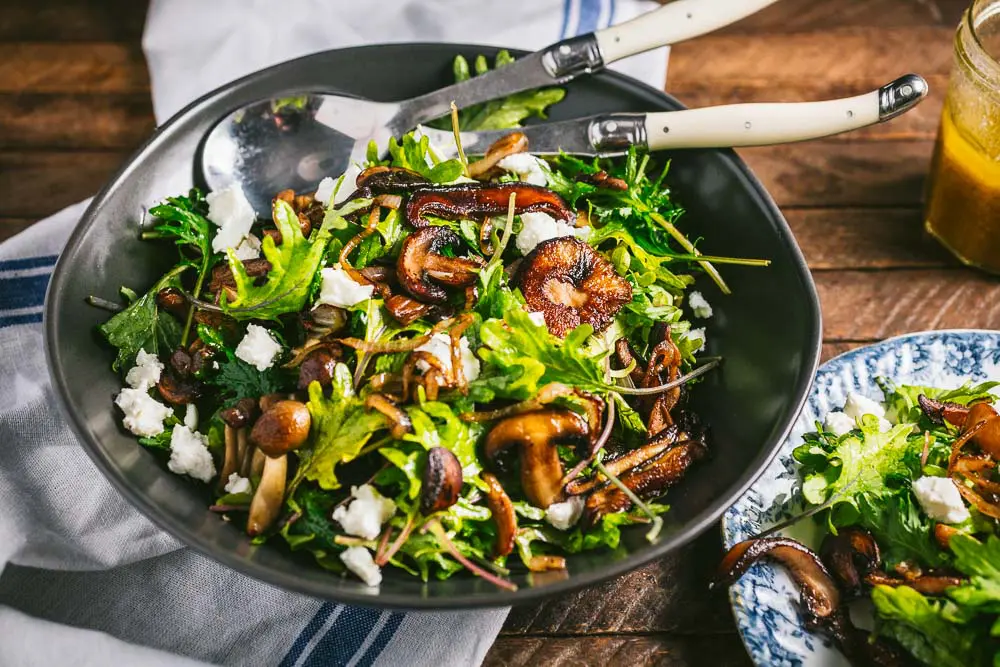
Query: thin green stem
[(687, 245), (737, 261), (197, 291)]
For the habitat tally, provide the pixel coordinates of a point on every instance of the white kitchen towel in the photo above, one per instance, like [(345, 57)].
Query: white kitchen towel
[(113, 589)]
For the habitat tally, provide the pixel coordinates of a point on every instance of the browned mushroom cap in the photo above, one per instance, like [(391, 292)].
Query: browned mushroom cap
[(502, 510), (222, 275), (472, 201), (385, 180), (940, 412), (851, 554), (400, 421), (323, 319), (176, 390), (603, 179), (820, 596), (283, 427), (407, 310), (571, 284), (537, 434), (240, 414), (649, 480), (988, 435), (442, 481), (927, 584), (943, 534), (633, 459), (423, 267), (318, 366), (509, 144), (269, 496)]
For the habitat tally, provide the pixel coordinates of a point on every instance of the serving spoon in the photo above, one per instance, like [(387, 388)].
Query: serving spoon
[(237, 150)]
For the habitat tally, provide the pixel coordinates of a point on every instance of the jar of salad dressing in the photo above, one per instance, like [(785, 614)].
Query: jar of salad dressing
[(963, 193)]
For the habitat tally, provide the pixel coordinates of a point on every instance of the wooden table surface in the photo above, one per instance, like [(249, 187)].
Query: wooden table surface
[(74, 102)]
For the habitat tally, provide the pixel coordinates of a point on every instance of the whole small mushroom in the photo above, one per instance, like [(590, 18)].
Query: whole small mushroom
[(423, 268), (283, 427), (442, 481)]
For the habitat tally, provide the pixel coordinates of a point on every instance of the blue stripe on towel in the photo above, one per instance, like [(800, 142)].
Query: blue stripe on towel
[(387, 632), (611, 15), (312, 627), (11, 320), (23, 292), (27, 262), (565, 22), (590, 14), (343, 639)]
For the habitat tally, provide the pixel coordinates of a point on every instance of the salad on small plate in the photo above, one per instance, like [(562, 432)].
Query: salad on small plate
[(883, 510)]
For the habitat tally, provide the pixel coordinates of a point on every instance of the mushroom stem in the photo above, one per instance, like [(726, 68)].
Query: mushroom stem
[(231, 461), (270, 495)]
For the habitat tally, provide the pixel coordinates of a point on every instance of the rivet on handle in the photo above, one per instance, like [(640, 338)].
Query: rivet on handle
[(901, 95)]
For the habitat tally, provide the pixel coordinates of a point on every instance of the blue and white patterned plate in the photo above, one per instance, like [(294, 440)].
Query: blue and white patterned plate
[(764, 600)]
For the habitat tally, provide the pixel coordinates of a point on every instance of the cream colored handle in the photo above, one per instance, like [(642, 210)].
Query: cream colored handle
[(672, 23), (759, 124)]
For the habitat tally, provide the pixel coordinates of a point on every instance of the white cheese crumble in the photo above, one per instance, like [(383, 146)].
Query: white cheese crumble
[(540, 227), (359, 561), (237, 484), (189, 454), (940, 499), (857, 406), (249, 248), (527, 167), (838, 423), (699, 306), (563, 516), (145, 373), (230, 210), (191, 416), (347, 181), (144, 415), (325, 190), (340, 290), (440, 346), (366, 513), (258, 348)]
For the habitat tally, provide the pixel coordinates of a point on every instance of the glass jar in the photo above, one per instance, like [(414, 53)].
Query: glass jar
[(963, 193)]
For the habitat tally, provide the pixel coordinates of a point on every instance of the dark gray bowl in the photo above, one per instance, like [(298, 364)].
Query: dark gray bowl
[(768, 330)]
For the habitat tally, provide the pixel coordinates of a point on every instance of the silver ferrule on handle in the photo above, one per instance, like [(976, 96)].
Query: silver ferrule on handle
[(613, 134), (572, 57), (900, 96)]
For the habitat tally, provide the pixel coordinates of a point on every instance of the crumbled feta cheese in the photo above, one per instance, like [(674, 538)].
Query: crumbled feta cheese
[(258, 348), (191, 416), (940, 499), (146, 371), (144, 415), (249, 248), (858, 406), (237, 484), (539, 227), (697, 334), (563, 516), (340, 290), (538, 318), (325, 190), (838, 423), (366, 513), (347, 182), (234, 215), (440, 346), (359, 561), (699, 306), (527, 167), (189, 454)]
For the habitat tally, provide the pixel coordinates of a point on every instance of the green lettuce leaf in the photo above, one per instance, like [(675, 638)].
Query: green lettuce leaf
[(901, 401), (981, 561), (341, 426), (522, 356)]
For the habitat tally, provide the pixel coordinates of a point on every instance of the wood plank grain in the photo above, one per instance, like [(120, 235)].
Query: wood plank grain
[(864, 306), (37, 184), (669, 595), (797, 15), (71, 20), (94, 67), (816, 58), (75, 121), (843, 173), (724, 649), (871, 238), (831, 350)]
